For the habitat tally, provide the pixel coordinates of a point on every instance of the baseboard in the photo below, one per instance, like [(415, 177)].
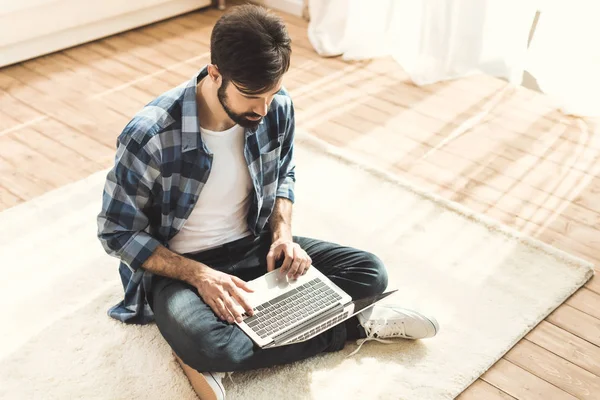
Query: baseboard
[(293, 7), (45, 44)]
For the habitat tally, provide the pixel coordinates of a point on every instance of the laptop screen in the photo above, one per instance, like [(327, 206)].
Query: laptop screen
[(365, 302)]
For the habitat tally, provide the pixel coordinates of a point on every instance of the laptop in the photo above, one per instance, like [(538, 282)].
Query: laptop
[(287, 312)]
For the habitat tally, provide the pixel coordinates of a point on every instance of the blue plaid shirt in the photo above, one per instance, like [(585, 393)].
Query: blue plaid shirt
[(161, 166)]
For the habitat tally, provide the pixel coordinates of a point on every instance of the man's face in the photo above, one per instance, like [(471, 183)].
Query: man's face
[(246, 110)]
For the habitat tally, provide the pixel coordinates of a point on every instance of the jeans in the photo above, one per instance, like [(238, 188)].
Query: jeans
[(206, 343)]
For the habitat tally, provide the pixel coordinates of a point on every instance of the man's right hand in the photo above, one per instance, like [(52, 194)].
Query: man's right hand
[(220, 291)]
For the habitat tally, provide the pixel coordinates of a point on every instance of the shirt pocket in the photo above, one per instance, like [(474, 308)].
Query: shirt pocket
[(270, 146)]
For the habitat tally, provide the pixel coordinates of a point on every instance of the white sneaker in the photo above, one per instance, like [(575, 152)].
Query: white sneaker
[(207, 385), (212, 387), (389, 321)]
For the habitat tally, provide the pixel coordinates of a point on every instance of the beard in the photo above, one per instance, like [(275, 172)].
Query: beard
[(239, 119)]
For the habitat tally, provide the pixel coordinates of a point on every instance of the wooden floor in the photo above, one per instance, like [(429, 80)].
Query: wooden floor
[(513, 157)]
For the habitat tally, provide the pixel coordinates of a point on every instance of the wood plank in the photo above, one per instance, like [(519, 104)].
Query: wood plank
[(86, 88), (15, 112), (468, 197), (482, 390), (558, 371), (72, 90), (521, 384), (103, 58), (154, 82), (99, 130), (33, 165), (19, 184), (577, 322), (94, 71), (587, 301), (187, 43), (501, 163), (8, 198), (129, 98), (192, 31), (566, 345), (78, 165), (151, 78), (151, 50), (149, 66), (153, 56), (7, 123), (499, 173), (594, 284), (109, 115), (54, 70), (444, 175), (101, 154), (96, 56)]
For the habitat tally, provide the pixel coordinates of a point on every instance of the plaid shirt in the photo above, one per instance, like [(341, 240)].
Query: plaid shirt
[(161, 166)]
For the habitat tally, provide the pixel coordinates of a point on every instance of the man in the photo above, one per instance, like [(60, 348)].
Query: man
[(199, 201)]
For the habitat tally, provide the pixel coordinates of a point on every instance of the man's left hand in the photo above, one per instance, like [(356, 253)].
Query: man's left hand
[(295, 260)]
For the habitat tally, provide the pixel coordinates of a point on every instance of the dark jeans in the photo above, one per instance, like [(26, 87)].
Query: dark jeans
[(206, 343)]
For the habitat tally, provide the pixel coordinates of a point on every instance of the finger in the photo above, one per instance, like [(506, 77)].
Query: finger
[(225, 312), (299, 258), (307, 266), (232, 311), (241, 284), (293, 272), (238, 296), (241, 301), (225, 315), (271, 260), (287, 262), (218, 308), (303, 268)]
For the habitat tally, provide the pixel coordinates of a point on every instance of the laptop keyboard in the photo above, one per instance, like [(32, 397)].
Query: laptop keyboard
[(297, 304), (320, 328)]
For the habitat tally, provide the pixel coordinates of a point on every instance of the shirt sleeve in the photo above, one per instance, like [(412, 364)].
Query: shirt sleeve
[(122, 222), (287, 165)]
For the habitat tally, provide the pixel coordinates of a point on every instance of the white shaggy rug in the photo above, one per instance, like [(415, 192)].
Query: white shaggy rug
[(487, 286)]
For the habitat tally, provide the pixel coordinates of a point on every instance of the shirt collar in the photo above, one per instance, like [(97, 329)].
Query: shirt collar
[(190, 123)]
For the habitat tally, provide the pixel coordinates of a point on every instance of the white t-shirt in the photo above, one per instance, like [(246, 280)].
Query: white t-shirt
[(220, 214)]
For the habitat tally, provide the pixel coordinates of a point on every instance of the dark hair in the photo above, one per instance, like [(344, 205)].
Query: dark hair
[(251, 47)]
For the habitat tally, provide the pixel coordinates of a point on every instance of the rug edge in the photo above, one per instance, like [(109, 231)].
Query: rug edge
[(492, 224)]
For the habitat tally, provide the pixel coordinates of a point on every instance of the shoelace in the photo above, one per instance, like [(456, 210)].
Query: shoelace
[(228, 374), (385, 330)]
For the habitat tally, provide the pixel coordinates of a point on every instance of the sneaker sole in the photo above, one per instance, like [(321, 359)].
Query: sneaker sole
[(435, 324), (201, 386)]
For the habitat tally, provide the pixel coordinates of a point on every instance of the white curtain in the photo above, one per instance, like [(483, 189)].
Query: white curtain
[(564, 55), (435, 40)]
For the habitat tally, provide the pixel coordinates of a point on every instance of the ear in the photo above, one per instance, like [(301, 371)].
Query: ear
[(215, 75)]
